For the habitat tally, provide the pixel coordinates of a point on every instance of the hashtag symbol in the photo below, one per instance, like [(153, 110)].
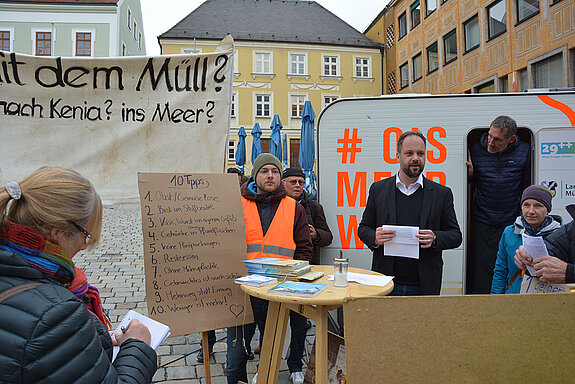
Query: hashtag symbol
[(349, 145)]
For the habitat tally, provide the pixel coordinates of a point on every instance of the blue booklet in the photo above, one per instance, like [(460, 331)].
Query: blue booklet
[(296, 288)]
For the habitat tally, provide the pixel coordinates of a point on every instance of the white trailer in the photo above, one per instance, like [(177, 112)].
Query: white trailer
[(357, 146)]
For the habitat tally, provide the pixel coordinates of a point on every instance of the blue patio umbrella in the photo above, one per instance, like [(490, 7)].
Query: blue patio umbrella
[(257, 142), (276, 137), (307, 148), (241, 150), (284, 153)]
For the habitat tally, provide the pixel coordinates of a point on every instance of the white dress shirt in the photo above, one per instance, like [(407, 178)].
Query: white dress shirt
[(408, 191)]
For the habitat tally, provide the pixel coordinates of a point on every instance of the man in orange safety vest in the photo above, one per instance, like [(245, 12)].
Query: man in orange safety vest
[(275, 226)]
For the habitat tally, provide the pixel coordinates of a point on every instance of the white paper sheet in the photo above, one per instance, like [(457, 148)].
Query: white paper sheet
[(404, 244), (535, 247), (364, 279)]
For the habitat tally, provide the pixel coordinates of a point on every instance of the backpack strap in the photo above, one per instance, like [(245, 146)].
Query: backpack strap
[(518, 274), (16, 290)]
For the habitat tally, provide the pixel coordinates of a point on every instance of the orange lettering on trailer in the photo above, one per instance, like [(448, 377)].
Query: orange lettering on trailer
[(440, 176), (381, 175), (388, 157), (345, 236), (434, 142), (560, 106), (359, 185)]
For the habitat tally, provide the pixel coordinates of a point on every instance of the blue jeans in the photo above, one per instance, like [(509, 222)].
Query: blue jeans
[(298, 324), (238, 341), (405, 290)]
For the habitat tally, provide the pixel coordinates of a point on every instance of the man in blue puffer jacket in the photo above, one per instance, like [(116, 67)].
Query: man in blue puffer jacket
[(499, 168)]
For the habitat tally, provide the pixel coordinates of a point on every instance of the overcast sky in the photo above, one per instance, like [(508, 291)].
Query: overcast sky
[(161, 15)]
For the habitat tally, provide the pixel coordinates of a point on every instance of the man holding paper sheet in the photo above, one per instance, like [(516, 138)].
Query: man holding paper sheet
[(397, 204)]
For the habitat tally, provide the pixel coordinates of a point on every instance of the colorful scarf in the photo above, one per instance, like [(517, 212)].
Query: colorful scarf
[(90, 296), (546, 227), (47, 256)]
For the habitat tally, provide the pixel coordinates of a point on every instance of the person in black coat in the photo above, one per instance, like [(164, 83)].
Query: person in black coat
[(409, 199), (499, 170), (48, 334), (559, 266)]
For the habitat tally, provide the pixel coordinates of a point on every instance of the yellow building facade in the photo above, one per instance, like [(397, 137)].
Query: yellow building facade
[(465, 46), (277, 77)]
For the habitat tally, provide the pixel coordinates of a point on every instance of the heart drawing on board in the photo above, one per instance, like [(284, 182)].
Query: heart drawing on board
[(236, 309)]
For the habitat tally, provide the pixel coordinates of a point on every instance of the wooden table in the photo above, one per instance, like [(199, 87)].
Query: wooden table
[(314, 308)]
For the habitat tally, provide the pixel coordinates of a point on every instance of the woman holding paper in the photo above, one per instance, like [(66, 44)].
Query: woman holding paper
[(534, 221), (49, 335)]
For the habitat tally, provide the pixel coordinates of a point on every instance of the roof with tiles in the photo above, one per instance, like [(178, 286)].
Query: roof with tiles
[(288, 21)]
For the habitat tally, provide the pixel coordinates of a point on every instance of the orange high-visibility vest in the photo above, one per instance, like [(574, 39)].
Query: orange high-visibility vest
[(276, 242)]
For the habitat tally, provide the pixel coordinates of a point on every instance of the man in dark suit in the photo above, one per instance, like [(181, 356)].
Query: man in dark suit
[(409, 199)]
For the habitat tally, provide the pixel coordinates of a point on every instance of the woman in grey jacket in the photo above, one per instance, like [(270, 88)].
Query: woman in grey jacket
[(48, 334)]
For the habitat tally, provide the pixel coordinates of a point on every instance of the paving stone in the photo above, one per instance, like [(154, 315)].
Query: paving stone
[(183, 372), (160, 375), (215, 370)]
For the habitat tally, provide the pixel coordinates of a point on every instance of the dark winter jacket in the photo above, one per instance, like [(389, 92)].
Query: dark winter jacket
[(316, 217), (498, 181), (267, 206), (561, 244), (49, 336)]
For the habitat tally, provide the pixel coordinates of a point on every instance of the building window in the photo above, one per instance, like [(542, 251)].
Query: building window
[(297, 64), (402, 25), (294, 153), (331, 65), (124, 51), (43, 43), (471, 33), (450, 46), (262, 62), (548, 73), (523, 83), (430, 6), (417, 67), (5, 40), (234, 106), (231, 151), (526, 9), (488, 87), (129, 19), (83, 44), (296, 105), (362, 67), (140, 40), (432, 58), (403, 76), (496, 18), (135, 29), (266, 143), (328, 99), (236, 60), (415, 14), (263, 105), (503, 84)]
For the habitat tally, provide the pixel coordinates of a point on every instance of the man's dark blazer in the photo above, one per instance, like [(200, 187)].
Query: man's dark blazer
[(437, 214)]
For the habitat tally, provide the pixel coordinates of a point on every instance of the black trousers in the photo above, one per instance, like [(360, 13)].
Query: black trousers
[(481, 256)]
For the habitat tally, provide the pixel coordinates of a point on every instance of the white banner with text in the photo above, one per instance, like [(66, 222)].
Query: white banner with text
[(110, 118)]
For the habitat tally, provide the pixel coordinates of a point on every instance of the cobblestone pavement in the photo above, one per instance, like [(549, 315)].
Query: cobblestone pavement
[(116, 268)]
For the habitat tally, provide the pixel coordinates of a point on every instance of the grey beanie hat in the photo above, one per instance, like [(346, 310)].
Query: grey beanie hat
[(539, 193), (264, 159)]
